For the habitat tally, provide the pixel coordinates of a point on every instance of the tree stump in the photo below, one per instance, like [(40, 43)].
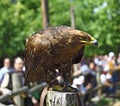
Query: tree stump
[(17, 79), (56, 98)]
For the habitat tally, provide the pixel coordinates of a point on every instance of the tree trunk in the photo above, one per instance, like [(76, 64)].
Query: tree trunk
[(45, 13), (72, 12)]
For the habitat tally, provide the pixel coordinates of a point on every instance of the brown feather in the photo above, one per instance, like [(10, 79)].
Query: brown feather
[(53, 48)]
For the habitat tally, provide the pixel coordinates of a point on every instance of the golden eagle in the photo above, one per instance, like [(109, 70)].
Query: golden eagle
[(52, 49)]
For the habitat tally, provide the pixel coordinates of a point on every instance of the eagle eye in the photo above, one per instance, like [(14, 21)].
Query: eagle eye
[(87, 39)]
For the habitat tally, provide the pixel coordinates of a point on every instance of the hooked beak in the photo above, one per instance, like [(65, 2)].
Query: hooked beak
[(93, 42)]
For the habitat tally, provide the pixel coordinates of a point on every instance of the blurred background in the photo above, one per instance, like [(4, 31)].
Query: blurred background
[(100, 18)]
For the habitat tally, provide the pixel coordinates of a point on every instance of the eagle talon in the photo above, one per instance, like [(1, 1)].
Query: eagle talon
[(68, 87)]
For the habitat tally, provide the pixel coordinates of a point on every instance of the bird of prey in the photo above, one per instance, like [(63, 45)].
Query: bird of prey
[(52, 51)]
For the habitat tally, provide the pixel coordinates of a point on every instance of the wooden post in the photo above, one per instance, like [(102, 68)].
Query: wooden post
[(72, 16), (99, 92), (72, 12), (75, 68), (56, 98), (45, 13), (17, 83)]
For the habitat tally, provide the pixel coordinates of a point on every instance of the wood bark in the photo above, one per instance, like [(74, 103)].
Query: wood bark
[(17, 83), (45, 13), (56, 98)]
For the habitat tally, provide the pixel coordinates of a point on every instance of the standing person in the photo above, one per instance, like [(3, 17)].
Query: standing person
[(5, 69), (18, 80), (18, 68), (112, 65)]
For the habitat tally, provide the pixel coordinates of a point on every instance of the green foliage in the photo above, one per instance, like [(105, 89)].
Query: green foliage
[(103, 102), (100, 18), (16, 22)]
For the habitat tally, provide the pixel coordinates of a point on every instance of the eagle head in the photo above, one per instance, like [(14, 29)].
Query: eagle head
[(83, 38)]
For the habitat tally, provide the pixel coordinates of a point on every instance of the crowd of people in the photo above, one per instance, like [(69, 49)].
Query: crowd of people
[(98, 70), (6, 75), (6, 85), (7, 70), (93, 72)]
